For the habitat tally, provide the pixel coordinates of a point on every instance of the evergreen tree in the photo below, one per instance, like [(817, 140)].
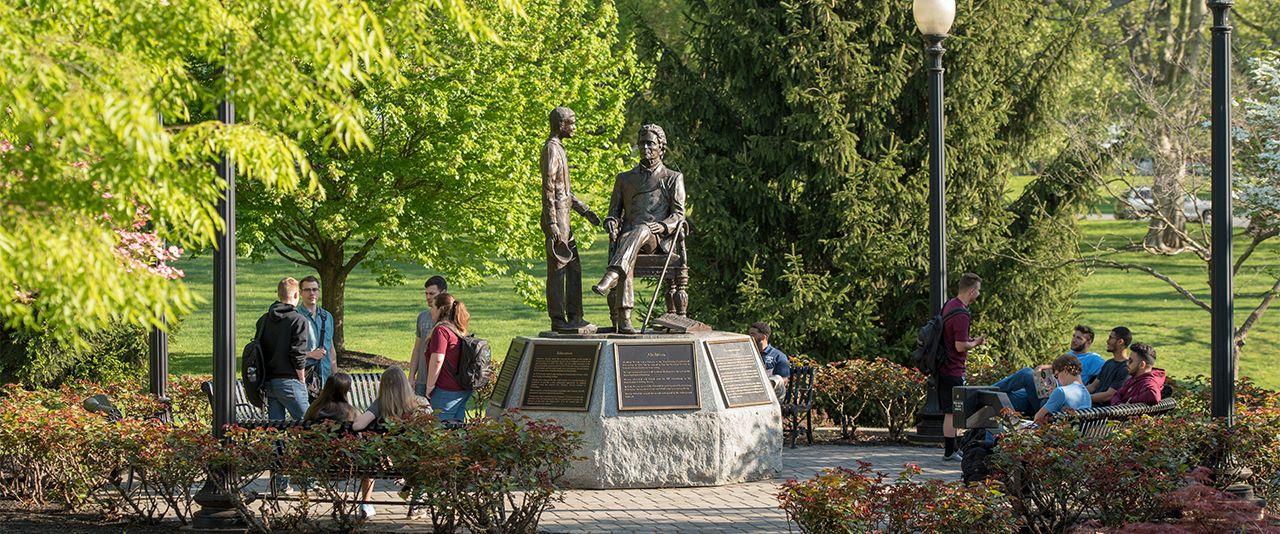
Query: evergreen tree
[(801, 126)]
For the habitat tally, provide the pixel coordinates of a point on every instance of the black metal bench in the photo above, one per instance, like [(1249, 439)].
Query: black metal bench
[(1101, 420), (364, 390), (797, 405)]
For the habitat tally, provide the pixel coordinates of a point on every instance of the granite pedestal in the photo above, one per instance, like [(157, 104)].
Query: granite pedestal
[(693, 409)]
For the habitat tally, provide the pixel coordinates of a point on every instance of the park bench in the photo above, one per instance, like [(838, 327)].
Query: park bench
[(977, 408), (364, 390), (797, 405)]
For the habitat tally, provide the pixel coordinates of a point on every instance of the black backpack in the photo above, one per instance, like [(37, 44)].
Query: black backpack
[(475, 361), (253, 370), (930, 355)]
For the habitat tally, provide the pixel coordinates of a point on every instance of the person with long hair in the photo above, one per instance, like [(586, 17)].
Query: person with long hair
[(395, 401), (444, 358), (333, 403)]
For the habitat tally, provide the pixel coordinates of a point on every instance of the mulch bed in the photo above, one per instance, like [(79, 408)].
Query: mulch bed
[(17, 519), (350, 359)]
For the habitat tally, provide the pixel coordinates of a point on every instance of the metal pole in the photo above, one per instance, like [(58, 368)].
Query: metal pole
[(937, 180), (158, 345), (1223, 330), (224, 289), (217, 511), (931, 416), (1223, 333)]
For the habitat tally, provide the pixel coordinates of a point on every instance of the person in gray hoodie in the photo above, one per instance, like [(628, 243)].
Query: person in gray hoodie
[(283, 336)]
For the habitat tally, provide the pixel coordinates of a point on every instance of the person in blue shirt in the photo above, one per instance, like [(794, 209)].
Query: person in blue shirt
[(1021, 386), (1070, 392), (776, 365), (320, 353)]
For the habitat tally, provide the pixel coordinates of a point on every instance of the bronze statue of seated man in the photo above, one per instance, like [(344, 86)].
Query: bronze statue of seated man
[(645, 212)]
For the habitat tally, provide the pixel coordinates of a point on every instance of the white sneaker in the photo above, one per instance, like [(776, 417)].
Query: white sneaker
[(956, 456), (367, 510)]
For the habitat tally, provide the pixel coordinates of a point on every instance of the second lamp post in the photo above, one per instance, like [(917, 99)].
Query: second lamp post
[(934, 18)]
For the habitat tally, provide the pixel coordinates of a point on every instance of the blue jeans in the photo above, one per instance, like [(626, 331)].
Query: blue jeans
[(450, 405), (1024, 380), (286, 394), (420, 390)]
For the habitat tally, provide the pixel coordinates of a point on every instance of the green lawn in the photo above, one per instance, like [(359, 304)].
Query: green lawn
[(1168, 321), (380, 319)]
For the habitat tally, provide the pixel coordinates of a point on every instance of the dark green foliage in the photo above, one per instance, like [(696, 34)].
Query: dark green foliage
[(118, 353), (801, 128)]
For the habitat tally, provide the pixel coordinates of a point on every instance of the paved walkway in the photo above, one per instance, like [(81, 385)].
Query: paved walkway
[(748, 507)]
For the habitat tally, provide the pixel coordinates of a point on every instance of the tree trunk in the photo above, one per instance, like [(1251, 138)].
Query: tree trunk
[(333, 278), (1167, 228)]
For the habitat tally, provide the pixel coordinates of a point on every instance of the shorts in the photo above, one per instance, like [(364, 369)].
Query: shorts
[(945, 384)]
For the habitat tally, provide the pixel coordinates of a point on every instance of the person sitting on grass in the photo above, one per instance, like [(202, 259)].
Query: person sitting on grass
[(332, 404), (1145, 382), (1070, 393), (395, 400)]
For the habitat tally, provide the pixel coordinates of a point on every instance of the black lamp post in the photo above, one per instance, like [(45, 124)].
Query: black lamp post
[(934, 18), (217, 512), (1223, 330)]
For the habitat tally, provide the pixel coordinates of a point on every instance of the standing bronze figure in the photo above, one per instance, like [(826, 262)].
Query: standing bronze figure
[(645, 212), (564, 267)]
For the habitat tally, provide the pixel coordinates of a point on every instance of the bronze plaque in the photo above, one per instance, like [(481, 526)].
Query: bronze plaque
[(561, 376), (510, 364), (656, 376), (738, 373)]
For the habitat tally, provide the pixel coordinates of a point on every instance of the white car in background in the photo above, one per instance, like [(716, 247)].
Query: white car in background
[(1139, 202)]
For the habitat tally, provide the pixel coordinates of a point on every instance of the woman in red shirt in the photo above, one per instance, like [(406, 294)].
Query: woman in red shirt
[(443, 358)]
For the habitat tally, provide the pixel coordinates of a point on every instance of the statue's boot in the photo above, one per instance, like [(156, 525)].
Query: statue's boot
[(580, 326), (607, 282), (624, 322)]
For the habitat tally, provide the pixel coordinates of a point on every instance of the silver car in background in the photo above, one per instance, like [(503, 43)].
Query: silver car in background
[(1139, 202)]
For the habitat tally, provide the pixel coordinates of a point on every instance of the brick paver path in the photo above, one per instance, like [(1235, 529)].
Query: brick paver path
[(748, 507)]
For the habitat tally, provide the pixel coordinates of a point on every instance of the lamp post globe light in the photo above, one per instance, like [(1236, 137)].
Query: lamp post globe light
[(934, 18)]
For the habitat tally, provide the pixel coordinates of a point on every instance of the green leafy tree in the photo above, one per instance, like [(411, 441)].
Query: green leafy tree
[(92, 185), (452, 180), (801, 128)]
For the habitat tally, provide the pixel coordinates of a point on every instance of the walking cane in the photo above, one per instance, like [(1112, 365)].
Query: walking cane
[(663, 276)]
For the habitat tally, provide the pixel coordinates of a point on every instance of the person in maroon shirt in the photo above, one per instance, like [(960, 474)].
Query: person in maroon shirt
[(956, 341), (1145, 381)]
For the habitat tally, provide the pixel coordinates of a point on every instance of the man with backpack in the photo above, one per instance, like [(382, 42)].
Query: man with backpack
[(956, 344), (282, 334)]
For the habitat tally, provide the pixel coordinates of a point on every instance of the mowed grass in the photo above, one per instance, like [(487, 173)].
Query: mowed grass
[(379, 320), (1157, 314)]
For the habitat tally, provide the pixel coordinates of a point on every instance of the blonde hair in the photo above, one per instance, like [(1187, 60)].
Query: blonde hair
[(287, 286), (395, 397)]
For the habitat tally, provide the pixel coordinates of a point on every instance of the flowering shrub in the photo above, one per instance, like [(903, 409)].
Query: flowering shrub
[(1197, 506), (896, 390), (496, 474), (842, 500), (839, 392)]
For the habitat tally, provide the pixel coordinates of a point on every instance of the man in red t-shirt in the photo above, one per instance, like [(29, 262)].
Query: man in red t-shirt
[(956, 341)]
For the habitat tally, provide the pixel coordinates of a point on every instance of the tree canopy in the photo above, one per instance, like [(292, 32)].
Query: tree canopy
[(452, 180), (801, 126), (94, 189)]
